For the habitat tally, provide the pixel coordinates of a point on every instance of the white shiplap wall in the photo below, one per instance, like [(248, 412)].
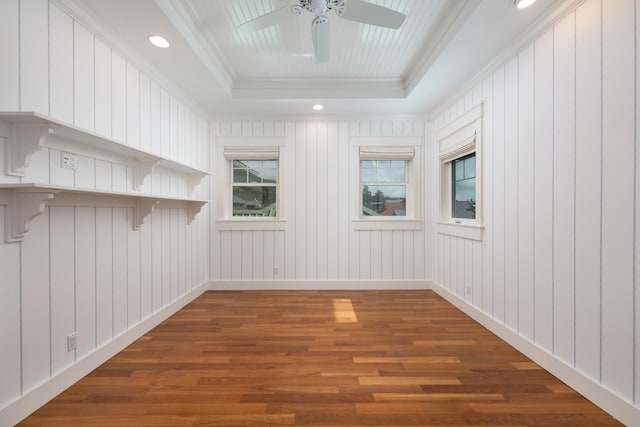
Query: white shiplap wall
[(558, 263), (319, 243), (85, 269), (82, 266)]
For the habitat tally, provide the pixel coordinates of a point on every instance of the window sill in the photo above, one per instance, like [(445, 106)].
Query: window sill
[(388, 224), (252, 224), (462, 230)]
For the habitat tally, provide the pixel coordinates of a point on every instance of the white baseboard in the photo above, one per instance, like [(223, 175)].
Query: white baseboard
[(34, 399), (273, 285), (622, 410)]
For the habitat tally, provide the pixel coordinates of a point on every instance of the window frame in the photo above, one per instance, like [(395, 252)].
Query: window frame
[(228, 149), (454, 182), (374, 148), (234, 184), (404, 183), (459, 139)]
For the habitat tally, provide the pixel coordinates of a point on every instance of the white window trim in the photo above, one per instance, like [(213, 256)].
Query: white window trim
[(460, 138), (258, 148), (394, 146)]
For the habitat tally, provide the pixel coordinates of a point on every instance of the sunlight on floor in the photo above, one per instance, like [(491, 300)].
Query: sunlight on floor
[(343, 311)]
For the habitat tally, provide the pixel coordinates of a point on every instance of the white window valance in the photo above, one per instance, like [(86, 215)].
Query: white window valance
[(387, 153), (460, 137), (458, 144), (251, 153)]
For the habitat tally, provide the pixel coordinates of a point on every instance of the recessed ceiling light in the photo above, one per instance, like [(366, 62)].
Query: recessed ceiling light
[(159, 41), (521, 4), (318, 107)]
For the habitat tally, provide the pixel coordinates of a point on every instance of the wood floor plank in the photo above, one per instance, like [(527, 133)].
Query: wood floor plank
[(319, 358), (406, 360), (434, 380), (444, 397)]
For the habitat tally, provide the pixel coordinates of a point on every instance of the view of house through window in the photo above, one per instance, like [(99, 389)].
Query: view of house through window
[(384, 187), (464, 187), (255, 187)]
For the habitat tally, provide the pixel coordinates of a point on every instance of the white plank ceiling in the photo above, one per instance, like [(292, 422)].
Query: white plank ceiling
[(284, 50)]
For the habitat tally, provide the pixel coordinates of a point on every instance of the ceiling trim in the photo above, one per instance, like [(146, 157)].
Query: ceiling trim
[(184, 24), (319, 89), (318, 117), (449, 24)]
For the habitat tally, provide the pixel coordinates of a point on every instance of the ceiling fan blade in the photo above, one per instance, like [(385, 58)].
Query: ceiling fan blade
[(369, 13), (268, 19), (321, 38)]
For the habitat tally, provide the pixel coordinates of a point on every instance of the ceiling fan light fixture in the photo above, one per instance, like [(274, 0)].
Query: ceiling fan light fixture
[(521, 4), (318, 107), (159, 41)]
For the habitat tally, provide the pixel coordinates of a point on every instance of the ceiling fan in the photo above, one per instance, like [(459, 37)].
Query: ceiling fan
[(353, 10)]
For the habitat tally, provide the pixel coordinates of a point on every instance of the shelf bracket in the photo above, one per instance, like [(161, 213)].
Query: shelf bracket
[(144, 207), (25, 140), (194, 209), (24, 206), (144, 167), (194, 180)]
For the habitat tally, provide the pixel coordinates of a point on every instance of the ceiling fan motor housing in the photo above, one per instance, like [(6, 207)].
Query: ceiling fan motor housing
[(318, 7)]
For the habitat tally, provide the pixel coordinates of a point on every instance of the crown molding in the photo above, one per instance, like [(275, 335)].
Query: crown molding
[(452, 19), (318, 117), (319, 89), (207, 51)]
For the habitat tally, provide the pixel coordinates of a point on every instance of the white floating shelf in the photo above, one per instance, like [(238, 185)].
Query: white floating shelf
[(29, 133), (28, 200)]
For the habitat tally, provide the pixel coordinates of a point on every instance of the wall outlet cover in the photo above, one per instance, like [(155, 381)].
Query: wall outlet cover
[(72, 341), (68, 161)]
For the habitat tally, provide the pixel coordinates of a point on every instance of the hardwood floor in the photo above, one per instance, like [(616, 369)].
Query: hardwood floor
[(319, 358)]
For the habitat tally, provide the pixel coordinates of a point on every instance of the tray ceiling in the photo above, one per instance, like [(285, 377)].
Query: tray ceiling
[(371, 69)]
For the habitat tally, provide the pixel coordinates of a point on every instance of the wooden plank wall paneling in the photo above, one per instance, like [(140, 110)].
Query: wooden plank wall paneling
[(10, 295), (564, 182), (82, 267), (559, 261), (85, 269), (319, 242), (636, 218), (10, 52)]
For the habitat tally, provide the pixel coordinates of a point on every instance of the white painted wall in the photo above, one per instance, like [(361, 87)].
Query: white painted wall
[(319, 243), (558, 263), (83, 267)]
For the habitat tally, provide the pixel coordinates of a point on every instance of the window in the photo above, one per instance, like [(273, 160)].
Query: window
[(384, 187), (460, 175), (463, 183), (255, 187), (250, 185), (387, 179)]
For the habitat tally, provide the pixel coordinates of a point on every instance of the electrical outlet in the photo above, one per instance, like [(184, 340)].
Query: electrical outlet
[(72, 341), (468, 289), (275, 271), (68, 161)]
